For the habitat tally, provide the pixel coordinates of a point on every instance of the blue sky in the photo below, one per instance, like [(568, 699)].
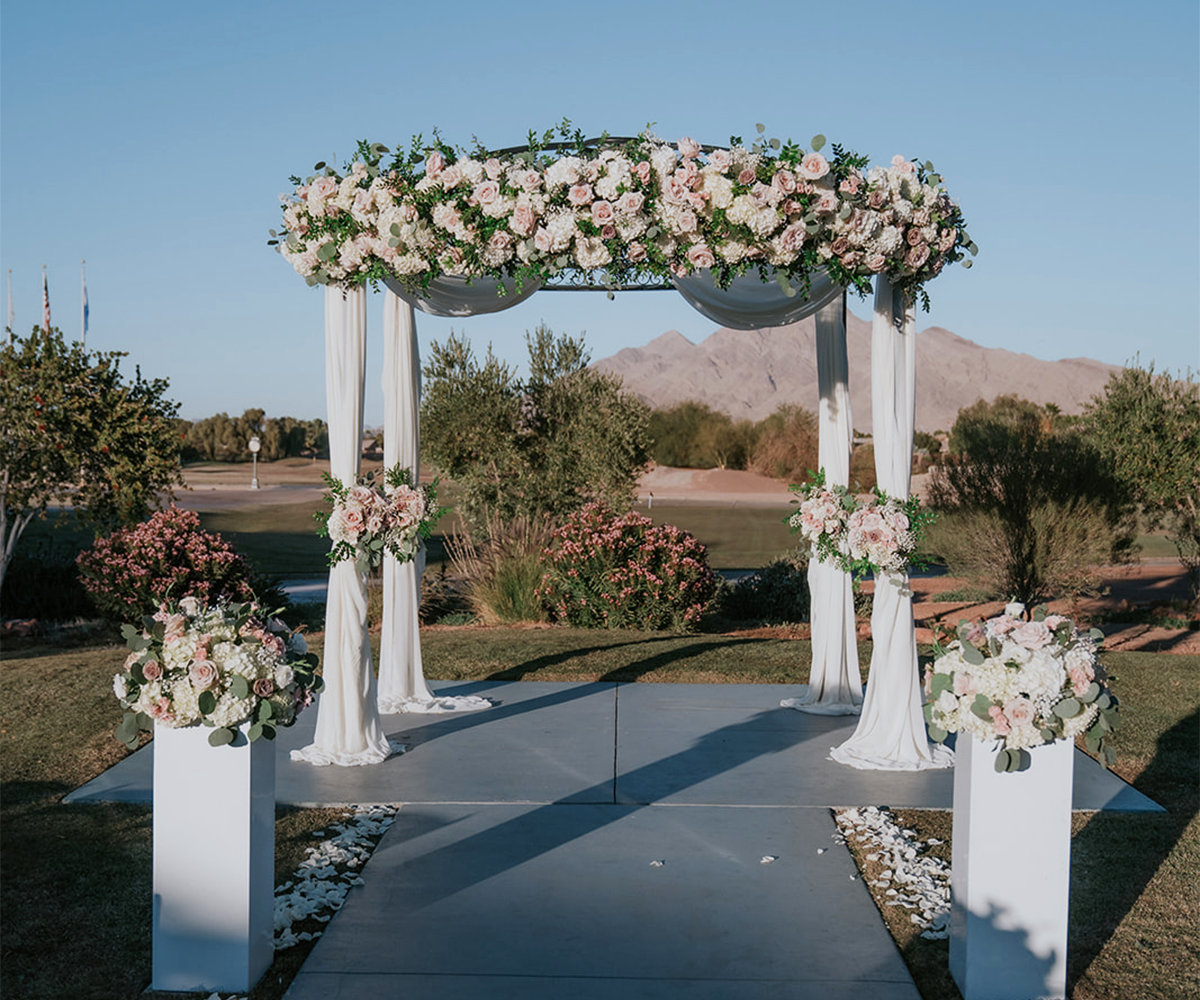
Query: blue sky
[(154, 139)]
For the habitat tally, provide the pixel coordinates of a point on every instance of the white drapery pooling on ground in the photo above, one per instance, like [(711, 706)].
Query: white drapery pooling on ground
[(348, 730), (890, 735), (402, 686)]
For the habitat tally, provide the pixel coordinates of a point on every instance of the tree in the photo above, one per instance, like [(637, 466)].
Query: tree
[(74, 432), (787, 444), (1031, 504), (1148, 427), (539, 448), (692, 435)]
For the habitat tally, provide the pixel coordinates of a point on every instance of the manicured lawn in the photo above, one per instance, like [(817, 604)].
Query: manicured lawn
[(75, 880)]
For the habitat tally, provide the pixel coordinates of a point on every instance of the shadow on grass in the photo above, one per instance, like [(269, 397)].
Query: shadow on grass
[(640, 668), (1110, 877), (522, 670)]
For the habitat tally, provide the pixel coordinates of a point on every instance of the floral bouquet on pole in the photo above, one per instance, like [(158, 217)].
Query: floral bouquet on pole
[(877, 535), (367, 521), (218, 666), (1021, 684)]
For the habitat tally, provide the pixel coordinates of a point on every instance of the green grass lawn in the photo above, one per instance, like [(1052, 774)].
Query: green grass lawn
[(87, 867)]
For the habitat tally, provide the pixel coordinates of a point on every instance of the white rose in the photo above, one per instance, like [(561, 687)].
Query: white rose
[(1015, 609), (119, 687)]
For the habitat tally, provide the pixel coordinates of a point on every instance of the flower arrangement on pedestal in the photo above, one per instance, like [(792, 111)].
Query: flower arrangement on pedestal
[(367, 521), (1021, 684), (621, 210), (218, 666), (877, 535)]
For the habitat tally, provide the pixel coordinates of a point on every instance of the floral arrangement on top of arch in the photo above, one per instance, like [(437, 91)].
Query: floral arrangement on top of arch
[(622, 210)]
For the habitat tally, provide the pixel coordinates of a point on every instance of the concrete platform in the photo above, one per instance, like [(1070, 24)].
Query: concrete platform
[(520, 863)]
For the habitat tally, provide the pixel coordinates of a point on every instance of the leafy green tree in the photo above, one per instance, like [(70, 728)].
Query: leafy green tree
[(1148, 427), (539, 448), (691, 435), (1031, 504), (787, 444), (74, 432)]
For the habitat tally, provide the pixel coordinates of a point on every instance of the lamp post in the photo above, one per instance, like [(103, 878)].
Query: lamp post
[(255, 445)]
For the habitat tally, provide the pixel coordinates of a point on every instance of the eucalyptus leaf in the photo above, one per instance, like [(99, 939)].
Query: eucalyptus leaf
[(937, 733), (774, 143), (239, 687), (395, 229), (1049, 735), (1091, 694), (319, 166), (220, 737), (266, 710), (980, 707), (817, 142), (972, 655), (207, 702), (254, 732), (761, 128), (940, 683), (1003, 759), (1110, 756), (127, 731), (1068, 708), (1095, 633)]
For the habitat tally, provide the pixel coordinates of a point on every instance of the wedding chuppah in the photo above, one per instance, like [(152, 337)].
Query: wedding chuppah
[(752, 237)]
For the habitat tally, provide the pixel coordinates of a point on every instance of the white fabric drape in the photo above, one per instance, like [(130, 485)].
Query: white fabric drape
[(751, 303), (890, 735), (447, 296), (835, 685), (402, 686), (348, 730)]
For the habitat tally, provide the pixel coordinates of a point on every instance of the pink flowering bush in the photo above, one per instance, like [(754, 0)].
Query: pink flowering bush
[(609, 571), (131, 572)]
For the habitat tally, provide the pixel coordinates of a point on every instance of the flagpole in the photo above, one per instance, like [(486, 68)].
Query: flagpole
[(45, 302), (83, 303)]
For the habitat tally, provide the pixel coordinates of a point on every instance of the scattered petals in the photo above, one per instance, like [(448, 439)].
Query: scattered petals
[(768, 858)]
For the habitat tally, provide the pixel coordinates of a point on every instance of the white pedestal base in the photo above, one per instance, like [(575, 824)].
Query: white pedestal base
[(214, 861), (1010, 873)]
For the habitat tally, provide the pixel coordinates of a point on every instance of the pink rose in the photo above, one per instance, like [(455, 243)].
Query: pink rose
[(999, 722), (1032, 635), (688, 148), (580, 194), (700, 256), (902, 165), (828, 202), (1081, 679), (160, 710), (840, 245), (687, 174), (921, 217), (352, 521), (793, 237), (947, 238), (784, 181), (747, 176), (434, 163), (686, 220), (152, 670), (914, 236), (916, 256), (531, 180), (631, 202), (523, 219), (487, 192), (813, 167), (876, 262), (202, 673), (452, 176), (608, 232), (493, 168), (321, 189), (602, 212), (643, 171), (850, 184), (720, 159), (543, 240), (1053, 621), (876, 198), (264, 687), (964, 684), (1019, 711), (636, 252)]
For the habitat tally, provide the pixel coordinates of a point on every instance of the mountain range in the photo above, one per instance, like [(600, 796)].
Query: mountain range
[(750, 373)]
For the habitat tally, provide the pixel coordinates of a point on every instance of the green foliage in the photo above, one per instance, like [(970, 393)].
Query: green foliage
[(503, 569), (540, 448), (690, 435), (776, 594), (74, 432), (1148, 427), (1031, 506), (221, 438)]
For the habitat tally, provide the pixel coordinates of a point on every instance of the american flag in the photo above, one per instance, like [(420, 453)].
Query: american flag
[(45, 303)]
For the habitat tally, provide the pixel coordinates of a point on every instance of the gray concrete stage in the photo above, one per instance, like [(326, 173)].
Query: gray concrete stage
[(521, 862)]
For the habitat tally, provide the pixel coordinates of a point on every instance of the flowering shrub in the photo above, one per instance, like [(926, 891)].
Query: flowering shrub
[(132, 571), (879, 535), (629, 208), (1021, 684), (775, 594), (625, 572), (366, 522), (220, 666)]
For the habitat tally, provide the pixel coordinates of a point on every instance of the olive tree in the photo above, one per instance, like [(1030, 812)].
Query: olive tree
[(1148, 428), (75, 432), (541, 447)]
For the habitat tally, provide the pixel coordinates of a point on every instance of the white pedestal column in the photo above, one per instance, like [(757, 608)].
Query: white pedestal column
[(1010, 873), (214, 861)]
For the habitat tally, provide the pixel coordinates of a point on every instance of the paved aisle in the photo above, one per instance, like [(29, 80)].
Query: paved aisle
[(522, 862)]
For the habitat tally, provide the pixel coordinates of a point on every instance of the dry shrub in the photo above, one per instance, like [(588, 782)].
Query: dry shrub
[(503, 569), (787, 445)]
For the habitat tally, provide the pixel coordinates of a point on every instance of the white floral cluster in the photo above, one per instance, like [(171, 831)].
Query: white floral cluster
[(873, 535), (639, 206), (918, 882), (1022, 683), (319, 887), (225, 655)]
